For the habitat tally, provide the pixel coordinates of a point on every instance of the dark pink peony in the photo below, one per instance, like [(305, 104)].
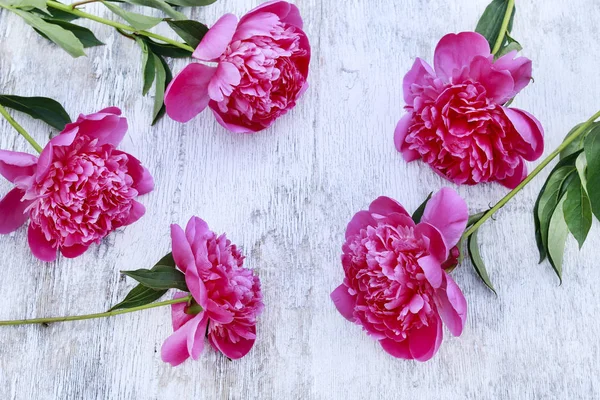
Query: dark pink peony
[(395, 285), (228, 293), (262, 67), (457, 122), (79, 189)]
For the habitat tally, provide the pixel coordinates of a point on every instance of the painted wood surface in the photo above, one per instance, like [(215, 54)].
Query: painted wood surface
[(285, 196)]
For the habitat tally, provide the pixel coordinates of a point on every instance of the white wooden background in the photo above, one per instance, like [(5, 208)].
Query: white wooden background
[(285, 196)]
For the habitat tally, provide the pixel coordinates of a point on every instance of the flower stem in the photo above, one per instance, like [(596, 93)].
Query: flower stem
[(583, 128), (20, 129), (69, 9), (92, 316), (81, 3), (509, 10)]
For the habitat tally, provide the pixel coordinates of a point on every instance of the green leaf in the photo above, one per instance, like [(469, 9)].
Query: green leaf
[(167, 50), (62, 37), (191, 3), (160, 277), (557, 238), (190, 31), (85, 36), (551, 197), (159, 90), (577, 144), (490, 23), (168, 79), (418, 214), (592, 154), (39, 4), (475, 217), (581, 165), (577, 210), (512, 45), (159, 5), (140, 296), (138, 21), (477, 261), (148, 67), (548, 199), (48, 110), (167, 260)]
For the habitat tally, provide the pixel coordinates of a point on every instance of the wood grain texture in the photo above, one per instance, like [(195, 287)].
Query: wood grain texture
[(285, 196)]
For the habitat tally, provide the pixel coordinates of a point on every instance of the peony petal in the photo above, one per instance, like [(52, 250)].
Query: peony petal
[(425, 342), (175, 349), (195, 341), (520, 68), (361, 220), (287, 13), (258, 24), (236, 127), (530, 130), (197, 287), (418, 75), (108, 128), (12, 211), (15, 164), (399, 137), (499, 84), (178, 315), (142, 180), (196, 231), (73, 251), (433, 270), (218, 313), (384, 206), (40, 246), (228, 348), (520, 172), (455, 51), (452, 305), (216, 40), (397, 349), (437, 244), (137, 211), (182, 251), (225, 78), (187, 94), (448, 212), (344, 302)]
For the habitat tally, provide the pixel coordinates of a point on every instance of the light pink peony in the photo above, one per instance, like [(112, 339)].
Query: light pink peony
[(228, 293), (261, 72), (457, 122), (79, 189), (395, 286)]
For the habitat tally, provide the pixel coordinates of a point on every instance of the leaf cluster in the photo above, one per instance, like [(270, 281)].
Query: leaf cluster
[(570, 197)]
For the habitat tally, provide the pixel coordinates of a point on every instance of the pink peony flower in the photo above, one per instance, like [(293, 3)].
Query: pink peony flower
[(457, 122), (261, 71), (395, 286), (79, 189), (228, 293)]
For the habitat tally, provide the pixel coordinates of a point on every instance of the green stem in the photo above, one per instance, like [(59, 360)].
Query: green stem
[(20, 129), (92, 316), (118, 25), (509, 10), (583, 128)]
